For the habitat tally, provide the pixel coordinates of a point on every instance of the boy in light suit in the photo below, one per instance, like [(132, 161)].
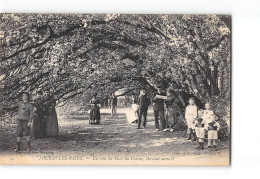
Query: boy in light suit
[(190, 116)]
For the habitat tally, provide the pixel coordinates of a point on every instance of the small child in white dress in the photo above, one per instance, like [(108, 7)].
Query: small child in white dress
[(212, 126), (200, 129)]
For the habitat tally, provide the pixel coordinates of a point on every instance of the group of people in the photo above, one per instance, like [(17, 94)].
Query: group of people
[(160, 101), (95, 105), (36, 118), (199, 122)]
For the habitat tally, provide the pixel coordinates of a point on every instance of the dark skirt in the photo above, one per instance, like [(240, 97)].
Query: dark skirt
[(94, 115), (52, 127), (171, 115), (37, 130)]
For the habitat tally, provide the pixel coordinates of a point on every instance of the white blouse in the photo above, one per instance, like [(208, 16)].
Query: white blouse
[(191, 111)]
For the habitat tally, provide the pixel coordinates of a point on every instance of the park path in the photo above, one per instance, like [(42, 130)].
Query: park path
[(129, 114), (115, 136)]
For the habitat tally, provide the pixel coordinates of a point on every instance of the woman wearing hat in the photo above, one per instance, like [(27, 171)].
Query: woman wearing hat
[(24, 119), (38, 127), (52, 126), (94, 110)]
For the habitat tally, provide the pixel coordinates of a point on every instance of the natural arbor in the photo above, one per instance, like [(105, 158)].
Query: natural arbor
[(75, 54)]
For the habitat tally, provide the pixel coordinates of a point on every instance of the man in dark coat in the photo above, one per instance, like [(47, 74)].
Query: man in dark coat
[(143, 102), (158, 107)]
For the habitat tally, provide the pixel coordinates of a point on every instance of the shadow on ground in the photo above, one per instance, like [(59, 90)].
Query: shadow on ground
[(113, 136)]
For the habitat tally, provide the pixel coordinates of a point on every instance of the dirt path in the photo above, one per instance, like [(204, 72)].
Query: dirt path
[(114, 137)]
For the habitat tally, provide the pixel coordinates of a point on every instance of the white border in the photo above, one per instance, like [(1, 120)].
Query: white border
[(245, 86)]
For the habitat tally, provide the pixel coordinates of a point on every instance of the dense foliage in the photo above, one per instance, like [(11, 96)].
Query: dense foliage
[(76, 55)]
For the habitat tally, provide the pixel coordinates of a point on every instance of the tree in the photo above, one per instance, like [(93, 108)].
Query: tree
[(78, 54)]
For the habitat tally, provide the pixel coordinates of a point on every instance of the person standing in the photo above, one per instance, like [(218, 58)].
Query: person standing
[(208, 112), (94, 110), (171, 110), (106, 103), (135, 108), (212, 126), (52, 127), (190, 116), (143, 102), (200, 129), (113, 104), (158, 107), (24, 119), (38, 127)]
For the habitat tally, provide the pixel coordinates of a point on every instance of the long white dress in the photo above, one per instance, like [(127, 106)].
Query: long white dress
[(134, 113)]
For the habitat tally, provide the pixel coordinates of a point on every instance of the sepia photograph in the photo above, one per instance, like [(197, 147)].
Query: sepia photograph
[(115, 89)]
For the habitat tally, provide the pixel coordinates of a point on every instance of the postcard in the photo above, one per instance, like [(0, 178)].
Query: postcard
[(78, 89)]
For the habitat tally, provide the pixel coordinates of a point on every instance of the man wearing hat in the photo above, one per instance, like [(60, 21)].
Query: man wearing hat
[(24, 119), (158, 107), (143, 102)]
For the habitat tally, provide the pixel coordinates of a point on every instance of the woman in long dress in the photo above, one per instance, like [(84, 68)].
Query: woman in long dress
[(135, 109), (94, 110), (52, 127), (38, 127), (171, 110)]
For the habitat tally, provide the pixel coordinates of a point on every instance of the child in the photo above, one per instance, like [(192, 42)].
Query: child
[(199, 128), (190, 116), (212, 126), (207, 112), (24, 119)]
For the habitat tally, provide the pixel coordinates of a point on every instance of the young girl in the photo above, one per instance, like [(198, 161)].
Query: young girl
[(212, 126), (24, 120), (199, 128), (207, 112), (190, 116)]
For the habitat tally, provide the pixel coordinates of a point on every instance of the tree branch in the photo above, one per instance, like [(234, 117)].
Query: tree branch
[(54, 36), (210, 47)]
